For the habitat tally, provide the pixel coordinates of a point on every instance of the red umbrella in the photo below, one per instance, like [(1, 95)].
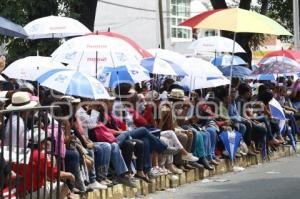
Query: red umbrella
[(137, 47), (294, 55)]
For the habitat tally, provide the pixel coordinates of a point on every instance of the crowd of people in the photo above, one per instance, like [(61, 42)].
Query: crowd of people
[(141, 132)]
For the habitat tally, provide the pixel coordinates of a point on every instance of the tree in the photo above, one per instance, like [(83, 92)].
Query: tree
[(24, 11)]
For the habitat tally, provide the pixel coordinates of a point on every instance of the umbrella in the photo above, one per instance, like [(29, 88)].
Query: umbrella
[(291, 54), (215, 44), (202, 74), (278, 67), (30, 68), (169, 55), (112, 76), (204, 82), (231, 141), (226, 60), (91, 53), (55, 27), (263, 77), (236, 20), (2, 79), (74, 83), (160, 66), (235, 71), (9, 28)]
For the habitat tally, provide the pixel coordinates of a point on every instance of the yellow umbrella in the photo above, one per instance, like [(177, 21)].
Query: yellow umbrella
[(236, 20)]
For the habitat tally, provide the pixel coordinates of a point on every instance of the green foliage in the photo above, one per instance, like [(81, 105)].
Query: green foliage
[(24, 11)]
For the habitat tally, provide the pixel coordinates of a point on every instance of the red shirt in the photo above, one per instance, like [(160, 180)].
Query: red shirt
[(38, 175), (138, 119)]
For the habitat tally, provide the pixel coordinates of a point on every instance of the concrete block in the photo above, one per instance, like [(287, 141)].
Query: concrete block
[(197, 174), (152, 186), (174, 180), (168, 181), (205, 173), (158, 183), (182, 178), (163, 182), (118, 191), (221, 168), (144, 188), (190, 176), (229, 165), (109, 193)]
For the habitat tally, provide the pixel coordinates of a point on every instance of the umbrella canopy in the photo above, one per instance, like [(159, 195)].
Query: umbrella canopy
[(2, 79), (55, 27), (236, 20), (215, 44), (202, 74), (278, 67), (204, 82), (226, 60), (169, 55), (160, 66), (110, 77), (237, 71), (9, 28), (291, 54), (89, 54), (30, 68), (231, 141), (74, 83), (263, 77)]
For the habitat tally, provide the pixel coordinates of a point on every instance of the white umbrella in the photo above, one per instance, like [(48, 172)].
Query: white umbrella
[(30, 68), (71, 82), (55, 27), (202, 74), (215, 44), (204, 82), (2, 79), (169, 55), (89, 54)]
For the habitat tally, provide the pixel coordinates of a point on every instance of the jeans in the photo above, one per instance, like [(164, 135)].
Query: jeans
[(117, 160), (213, 140), (72, 165), (136, 146), (102, 152), (264, 120)]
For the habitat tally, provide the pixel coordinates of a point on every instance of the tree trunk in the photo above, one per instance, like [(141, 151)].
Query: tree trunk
[(218, 4), (87, 11)]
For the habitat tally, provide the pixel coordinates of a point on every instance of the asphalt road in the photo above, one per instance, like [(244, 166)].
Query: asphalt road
[(276, 180)]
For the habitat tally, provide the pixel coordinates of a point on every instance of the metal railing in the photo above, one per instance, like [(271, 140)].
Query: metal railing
[(30, 163)]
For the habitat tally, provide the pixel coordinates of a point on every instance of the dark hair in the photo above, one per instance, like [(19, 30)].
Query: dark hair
[(265, 96), (222, 92), (244, 88)]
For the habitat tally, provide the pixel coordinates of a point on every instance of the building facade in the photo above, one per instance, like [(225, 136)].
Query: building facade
[(139, 20)]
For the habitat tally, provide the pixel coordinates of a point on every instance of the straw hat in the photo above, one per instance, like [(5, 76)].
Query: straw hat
[(21, 100), (177, 94)]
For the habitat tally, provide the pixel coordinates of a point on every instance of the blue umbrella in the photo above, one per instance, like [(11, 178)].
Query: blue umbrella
[(9, 28), (160, 66), (225, 60), (231, 141), (237, 71), (75, 83), (112, 76)]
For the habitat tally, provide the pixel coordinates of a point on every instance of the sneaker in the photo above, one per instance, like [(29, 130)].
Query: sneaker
[(189, 157), (96, 185), (127, 182)]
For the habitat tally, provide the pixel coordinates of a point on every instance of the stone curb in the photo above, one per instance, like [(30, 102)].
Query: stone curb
[(162, 183)]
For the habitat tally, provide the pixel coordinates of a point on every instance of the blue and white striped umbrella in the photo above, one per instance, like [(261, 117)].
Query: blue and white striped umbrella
[(110, 77), (74, 83), (225, 60), (160, 66)]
